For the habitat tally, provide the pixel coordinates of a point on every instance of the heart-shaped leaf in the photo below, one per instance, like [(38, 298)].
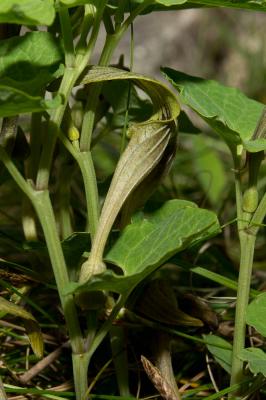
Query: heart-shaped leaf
[(30, 323), (227, 110), (147, 243)]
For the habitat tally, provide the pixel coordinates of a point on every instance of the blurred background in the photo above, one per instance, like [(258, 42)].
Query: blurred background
[(223, 44)]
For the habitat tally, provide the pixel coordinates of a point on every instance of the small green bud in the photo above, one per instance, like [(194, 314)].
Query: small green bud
[(73, 133), (250, 200)]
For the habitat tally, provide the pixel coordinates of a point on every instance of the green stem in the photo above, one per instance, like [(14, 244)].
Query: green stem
[(16, 175), (85, 163), (42, 204), (43, 208), (80, 368), (238, 190), (247, 245), (67, 36), (85, 28), (83, 55), (66, 86), (64, 192), (70, 76), (65, 89), (89, 116)]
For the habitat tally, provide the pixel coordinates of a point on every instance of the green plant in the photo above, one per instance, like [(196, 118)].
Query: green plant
[(71, 106)]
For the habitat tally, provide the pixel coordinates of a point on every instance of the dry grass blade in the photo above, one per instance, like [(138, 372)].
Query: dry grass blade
[(163, 387), (41, 365), (30, 323), (2, 390)]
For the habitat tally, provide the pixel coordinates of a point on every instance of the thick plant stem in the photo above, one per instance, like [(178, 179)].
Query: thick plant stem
[(43, 208), (67, 36), (66, 86), (247, 244), (70, 76), (86, 166), (80, 358), (42, 205), (80, 367)]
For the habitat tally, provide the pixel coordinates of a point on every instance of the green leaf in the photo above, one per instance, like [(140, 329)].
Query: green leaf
[(209, 170), (221, 351), (220, 279), (30, 62), (256, 359), (27, 12), (13, 102), (31, 325), (27, 64), (227, 110), (74, 3), (255, 315), (148, 242)]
